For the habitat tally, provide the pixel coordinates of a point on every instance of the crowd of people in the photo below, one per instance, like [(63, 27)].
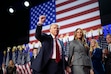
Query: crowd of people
[(83, 58)]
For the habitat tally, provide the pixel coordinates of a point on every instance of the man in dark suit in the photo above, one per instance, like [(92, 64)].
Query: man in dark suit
[(35, 52), (1, 71), (108, 55), (46, 62)]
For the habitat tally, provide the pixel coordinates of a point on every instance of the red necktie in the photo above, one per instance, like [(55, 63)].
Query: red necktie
[(57, 52)]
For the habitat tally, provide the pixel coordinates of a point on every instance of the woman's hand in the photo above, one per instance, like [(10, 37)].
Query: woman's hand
[(68, 69), (91, 71)]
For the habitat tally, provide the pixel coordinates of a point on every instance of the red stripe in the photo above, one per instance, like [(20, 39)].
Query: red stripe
[(32, 34)]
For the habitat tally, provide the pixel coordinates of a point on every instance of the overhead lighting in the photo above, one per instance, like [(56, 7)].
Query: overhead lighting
[(11, 10), (26, 3)]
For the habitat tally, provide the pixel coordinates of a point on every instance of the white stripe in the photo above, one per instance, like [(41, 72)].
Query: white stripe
[(25, 69), (32, 31), (60, 1), (28, 68), (32, 38), (21, 69)]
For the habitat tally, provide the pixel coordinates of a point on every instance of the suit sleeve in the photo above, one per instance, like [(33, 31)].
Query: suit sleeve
[(71, 53), (39, 35), (38, 32)]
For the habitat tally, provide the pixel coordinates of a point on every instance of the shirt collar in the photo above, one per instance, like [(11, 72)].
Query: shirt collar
[(54, 36)]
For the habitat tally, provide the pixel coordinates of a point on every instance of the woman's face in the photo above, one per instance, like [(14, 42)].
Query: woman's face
[(92, 43), (79, 34), (10, 62)]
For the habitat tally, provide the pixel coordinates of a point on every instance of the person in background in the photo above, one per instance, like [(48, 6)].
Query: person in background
[(1, 71), (50, 59), (96, 57), (35, 52), (11, 68), (79, 58), (107, 58), (4, 68)]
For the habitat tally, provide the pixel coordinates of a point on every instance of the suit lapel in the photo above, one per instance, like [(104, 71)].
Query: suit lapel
[(80, 43)]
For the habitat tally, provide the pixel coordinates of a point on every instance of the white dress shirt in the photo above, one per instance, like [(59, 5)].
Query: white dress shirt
[(54, 48)]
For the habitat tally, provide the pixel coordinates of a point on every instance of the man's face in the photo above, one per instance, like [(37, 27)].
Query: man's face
[(54, 29), (108, 39), (35, 51)]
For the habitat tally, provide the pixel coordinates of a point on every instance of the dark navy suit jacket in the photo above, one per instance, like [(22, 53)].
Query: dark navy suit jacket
[(45, 52), (97, 61)]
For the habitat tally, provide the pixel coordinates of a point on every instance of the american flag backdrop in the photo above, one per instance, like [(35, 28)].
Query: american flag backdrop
[(69, 14)]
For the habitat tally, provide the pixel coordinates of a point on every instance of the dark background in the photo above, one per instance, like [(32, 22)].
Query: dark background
[(14, 28)]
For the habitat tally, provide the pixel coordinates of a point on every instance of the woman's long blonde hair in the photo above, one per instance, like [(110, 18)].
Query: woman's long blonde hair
[(83, 39), (96, 45)]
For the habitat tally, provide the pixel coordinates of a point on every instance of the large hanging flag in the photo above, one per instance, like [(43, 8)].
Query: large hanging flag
[(70, 14)]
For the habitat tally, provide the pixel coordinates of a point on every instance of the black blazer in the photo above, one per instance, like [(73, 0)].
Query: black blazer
[(46, 50)]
